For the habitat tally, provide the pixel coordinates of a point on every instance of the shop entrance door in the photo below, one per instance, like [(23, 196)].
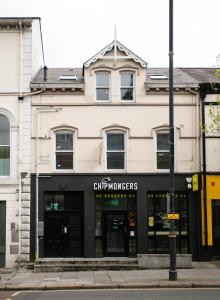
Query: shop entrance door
[(216, 227), (115, 234), (2, 232), (64, 225)]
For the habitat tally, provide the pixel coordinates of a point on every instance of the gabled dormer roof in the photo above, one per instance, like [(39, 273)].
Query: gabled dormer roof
[(116, 45)]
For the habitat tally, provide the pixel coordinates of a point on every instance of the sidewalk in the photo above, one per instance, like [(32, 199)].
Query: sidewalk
[(203, 274)]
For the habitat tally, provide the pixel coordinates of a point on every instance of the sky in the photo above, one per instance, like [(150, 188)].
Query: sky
[(75, 30)]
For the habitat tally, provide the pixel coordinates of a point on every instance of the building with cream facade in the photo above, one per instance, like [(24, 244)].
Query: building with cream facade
[(84, 154), (100, 158), (20, 59)]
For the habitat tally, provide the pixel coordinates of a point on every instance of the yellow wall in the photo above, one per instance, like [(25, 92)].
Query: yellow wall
[(213, 193)]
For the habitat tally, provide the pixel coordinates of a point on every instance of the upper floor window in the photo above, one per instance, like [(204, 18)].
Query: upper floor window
[(127, 85), (64, 150), (102, 85), (4, 146), (115, 150), (163, 150)]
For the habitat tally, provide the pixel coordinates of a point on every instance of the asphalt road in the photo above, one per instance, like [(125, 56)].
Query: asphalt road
[(149, 294), (5, 295)]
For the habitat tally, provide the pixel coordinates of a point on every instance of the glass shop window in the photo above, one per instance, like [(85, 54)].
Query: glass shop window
[(159, 225)]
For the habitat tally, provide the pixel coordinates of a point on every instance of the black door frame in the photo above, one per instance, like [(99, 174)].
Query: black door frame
[(3, 234), (64, 228), (213, 238), (115, 212)]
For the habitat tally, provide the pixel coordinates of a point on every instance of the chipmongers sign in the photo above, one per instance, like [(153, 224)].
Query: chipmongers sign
[(106, 184)]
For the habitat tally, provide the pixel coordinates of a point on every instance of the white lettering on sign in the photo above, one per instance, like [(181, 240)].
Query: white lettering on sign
[(106, 184)]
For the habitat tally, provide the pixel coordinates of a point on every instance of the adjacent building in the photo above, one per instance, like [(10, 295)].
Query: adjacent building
[(209, 91), (20, 58)]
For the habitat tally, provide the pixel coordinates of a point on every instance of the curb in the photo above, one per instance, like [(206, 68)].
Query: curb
[(156, 285)]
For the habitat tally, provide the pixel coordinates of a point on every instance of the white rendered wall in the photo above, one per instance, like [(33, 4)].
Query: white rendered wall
[(91, 121), (15, 62)]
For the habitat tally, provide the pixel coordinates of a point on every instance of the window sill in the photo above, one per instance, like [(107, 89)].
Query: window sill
[(103, 101), (64, 171), (7, 180), (127, 101), (116, 171)]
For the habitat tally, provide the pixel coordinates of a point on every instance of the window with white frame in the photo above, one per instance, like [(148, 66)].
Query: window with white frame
[(102, 85), (163, 150), (127, 85), (4, 146), (115, 152), (64, 150)]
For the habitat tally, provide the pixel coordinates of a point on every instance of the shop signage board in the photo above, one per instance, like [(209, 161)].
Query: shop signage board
[(107, 185), (195, 182), (173, 216)]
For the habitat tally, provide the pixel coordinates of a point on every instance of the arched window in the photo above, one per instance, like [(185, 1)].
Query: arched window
[(162, 149), (115, 150), (64, 150), (4, 146)]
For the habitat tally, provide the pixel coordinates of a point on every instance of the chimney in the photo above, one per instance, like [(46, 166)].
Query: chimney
[(45, 73)]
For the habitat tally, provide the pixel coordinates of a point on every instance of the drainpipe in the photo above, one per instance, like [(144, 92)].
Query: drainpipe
[(197, 129), (20, 98), (39, 111), (202, 97), (197, 134)]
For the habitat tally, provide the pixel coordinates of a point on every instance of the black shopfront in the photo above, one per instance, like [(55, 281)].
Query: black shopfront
[(106, 215)]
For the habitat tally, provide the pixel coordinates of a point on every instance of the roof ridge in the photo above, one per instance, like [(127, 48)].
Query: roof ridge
[(188, 75)]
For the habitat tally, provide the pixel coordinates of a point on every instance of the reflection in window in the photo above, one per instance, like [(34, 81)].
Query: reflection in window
[(54, 201), (163, 150), (127, 85), (159, 225), (4, 146), (64, 150), (115, 150), (102, 86), (125, 204)]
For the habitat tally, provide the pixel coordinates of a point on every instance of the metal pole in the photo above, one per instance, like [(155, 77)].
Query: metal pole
[(172, 235)]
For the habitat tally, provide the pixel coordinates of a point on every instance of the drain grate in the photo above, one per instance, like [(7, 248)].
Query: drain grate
[(51, 279)]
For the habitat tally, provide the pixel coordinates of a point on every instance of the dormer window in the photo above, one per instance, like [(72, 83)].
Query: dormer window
[(127, 85), (102, 86)]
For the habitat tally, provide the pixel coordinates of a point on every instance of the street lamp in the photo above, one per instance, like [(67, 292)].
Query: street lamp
[(172, 234)]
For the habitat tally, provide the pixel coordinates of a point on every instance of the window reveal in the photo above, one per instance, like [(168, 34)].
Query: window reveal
[(115, 150), (64, 150), (163, 150), (4, 146), (102, 86), (127, 85)]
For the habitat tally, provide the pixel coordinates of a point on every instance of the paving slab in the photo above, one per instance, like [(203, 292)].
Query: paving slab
[(205, 274)]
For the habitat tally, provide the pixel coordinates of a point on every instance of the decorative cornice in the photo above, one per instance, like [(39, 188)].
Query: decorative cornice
[(108, 48), (114, 68)]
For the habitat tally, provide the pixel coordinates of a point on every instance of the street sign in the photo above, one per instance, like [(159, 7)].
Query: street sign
[(173, 216), (195, 182)]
